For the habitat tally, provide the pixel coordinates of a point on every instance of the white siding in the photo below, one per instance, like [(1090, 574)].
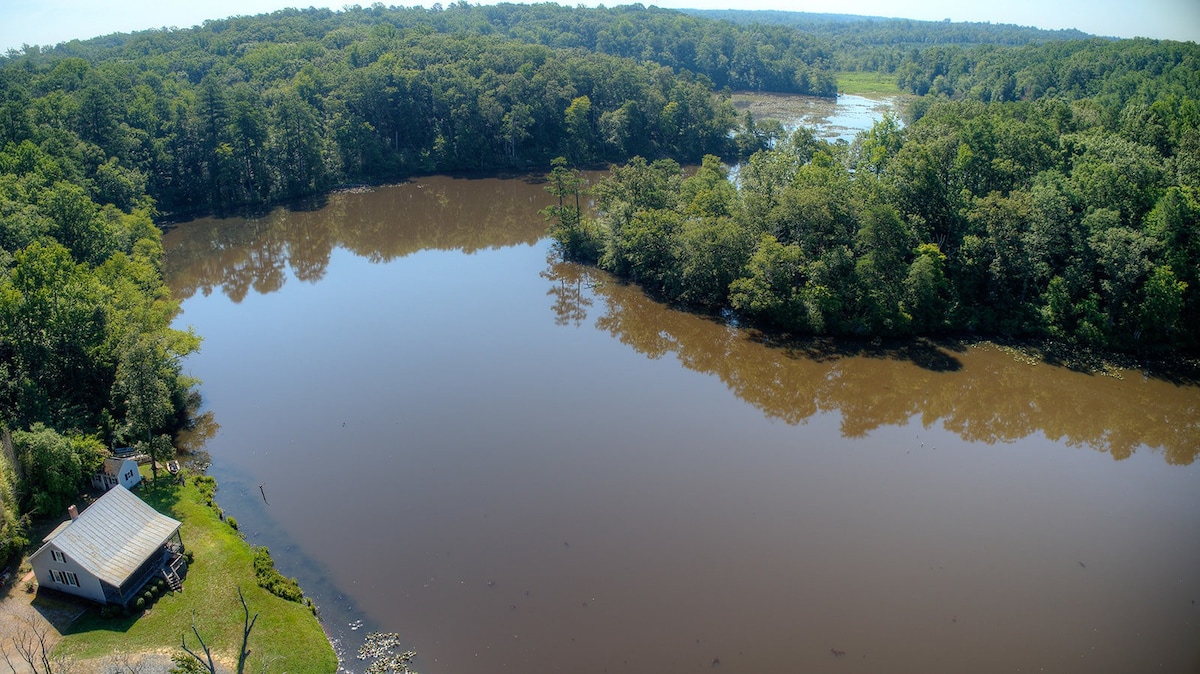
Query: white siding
[(129, 475), (43, 562)]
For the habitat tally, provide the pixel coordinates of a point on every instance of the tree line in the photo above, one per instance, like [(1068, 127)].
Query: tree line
[(251, 111), (994, 62), (877, 44), (1018, 219), (1112, 72)]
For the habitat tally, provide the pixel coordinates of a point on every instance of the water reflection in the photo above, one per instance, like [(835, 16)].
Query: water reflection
[(238, 255), (571, 302), (979, 392)]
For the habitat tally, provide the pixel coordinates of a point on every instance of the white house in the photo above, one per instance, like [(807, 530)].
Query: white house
[(109, 551), (115, 472)]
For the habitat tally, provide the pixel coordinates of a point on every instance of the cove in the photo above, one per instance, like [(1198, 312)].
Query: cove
[(522, 465)]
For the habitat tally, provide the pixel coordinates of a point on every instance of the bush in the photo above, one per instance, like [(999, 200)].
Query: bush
[(271, 580), (232, 522), (207, 485), (148, 596), (140, 604)]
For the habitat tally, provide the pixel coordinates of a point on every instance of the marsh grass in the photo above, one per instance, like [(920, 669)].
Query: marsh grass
[(867, 84)]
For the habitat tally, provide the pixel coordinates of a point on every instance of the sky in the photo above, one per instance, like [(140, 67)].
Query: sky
[(47, 22)]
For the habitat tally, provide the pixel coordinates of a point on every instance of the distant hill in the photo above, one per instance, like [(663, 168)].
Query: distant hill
[(852, 30), (885, 45)]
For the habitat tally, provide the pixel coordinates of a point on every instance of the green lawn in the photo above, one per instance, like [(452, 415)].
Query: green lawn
[(287, 635), (867, 84)]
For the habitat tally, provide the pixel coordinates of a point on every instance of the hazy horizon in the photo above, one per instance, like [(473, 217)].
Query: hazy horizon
[(49, 22)]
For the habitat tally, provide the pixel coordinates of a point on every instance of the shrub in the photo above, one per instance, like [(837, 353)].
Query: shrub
[(207, 485), (148, 596), (271, 580), (232, 522), (140, 604)]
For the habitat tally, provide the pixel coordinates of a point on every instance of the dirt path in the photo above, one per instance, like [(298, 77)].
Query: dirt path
[(31, 623), (33, 620)]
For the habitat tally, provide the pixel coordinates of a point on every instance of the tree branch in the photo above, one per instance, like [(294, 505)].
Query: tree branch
[(212, 668)]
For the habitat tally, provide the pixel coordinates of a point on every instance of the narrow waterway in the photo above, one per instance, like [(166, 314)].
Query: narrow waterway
[(830, 119), (521, 465)]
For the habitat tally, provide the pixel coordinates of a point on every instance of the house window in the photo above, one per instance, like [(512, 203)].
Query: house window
[(58, 556), (129, 475), (64, 578)]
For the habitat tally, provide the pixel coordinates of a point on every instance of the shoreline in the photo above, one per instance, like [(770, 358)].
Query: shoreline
[(285, 632)]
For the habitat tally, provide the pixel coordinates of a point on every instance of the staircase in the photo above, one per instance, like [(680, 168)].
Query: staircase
[(173, 580), (171, 573)]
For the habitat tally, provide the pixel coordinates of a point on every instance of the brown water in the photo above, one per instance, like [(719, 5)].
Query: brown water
[(524, 466)]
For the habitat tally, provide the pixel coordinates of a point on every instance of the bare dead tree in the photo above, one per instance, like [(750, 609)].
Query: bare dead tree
[(32, 645), (7, 658), (207, 660)]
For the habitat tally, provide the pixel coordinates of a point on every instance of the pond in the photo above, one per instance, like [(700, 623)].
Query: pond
[(523, 465)]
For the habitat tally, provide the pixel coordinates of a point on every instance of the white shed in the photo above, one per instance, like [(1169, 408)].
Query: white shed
[(115, 472)]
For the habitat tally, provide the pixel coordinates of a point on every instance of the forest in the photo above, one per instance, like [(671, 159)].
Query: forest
[(1028, 219), (1040, 184), (1043, 190)]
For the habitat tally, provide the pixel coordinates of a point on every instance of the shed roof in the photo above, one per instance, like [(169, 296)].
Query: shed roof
[(114, 535), (113, 466)]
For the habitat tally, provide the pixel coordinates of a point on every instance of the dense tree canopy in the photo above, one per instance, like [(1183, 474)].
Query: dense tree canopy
[(1021, 219), (253, 110)]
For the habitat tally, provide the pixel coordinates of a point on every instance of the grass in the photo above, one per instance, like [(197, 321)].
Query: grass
[(287, 636), (867, 84)]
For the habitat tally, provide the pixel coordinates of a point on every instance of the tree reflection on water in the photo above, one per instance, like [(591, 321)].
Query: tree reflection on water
[(977, 390)]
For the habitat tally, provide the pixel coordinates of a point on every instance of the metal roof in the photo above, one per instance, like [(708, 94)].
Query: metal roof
[(114, 535)]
